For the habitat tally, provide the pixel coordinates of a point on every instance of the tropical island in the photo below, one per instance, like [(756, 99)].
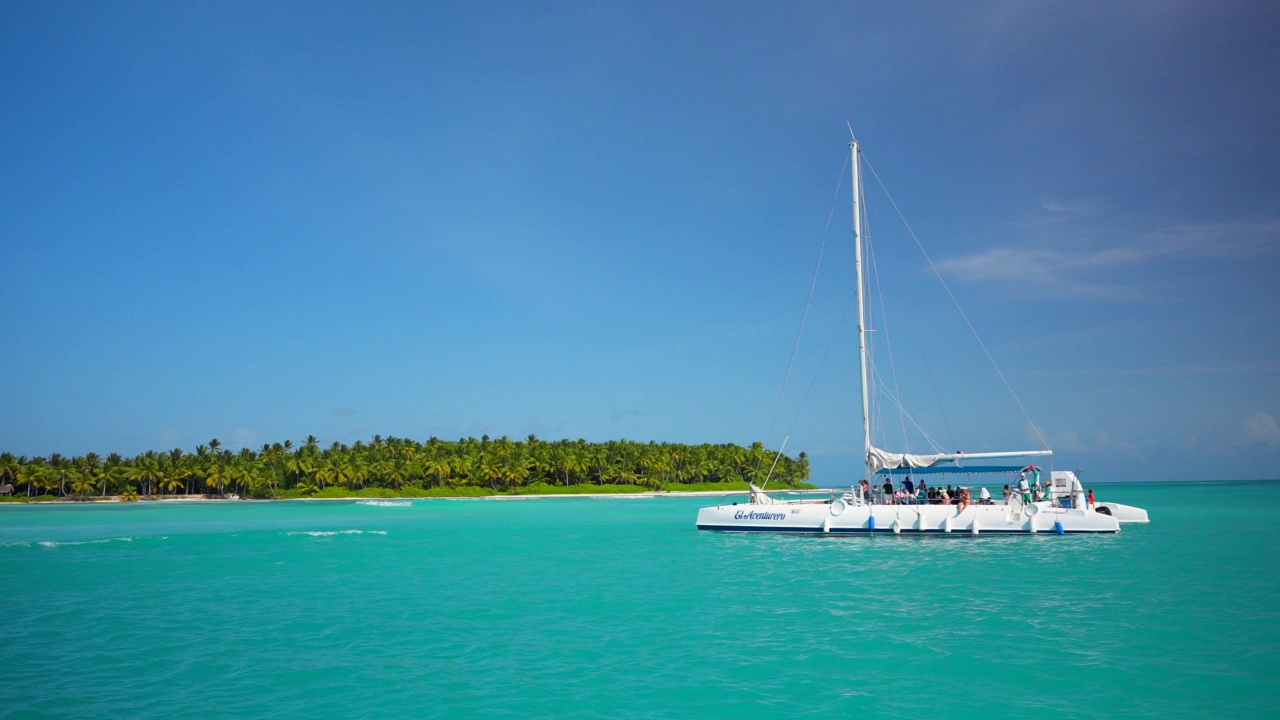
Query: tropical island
[(399, 467)]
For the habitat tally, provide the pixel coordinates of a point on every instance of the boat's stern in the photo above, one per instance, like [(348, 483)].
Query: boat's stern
[(1122, 513)]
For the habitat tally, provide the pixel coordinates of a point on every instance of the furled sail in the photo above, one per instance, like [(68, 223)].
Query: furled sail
[(878, 459), (758, 497)]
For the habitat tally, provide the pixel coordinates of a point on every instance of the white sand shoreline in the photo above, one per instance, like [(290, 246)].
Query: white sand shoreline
[(185, 499)]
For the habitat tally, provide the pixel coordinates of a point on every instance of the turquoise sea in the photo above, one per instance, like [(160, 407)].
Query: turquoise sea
[(618, 608)]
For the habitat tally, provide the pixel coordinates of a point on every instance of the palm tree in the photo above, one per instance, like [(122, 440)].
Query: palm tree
[(239, 475), (217, 477), (396, 476), (9, 467), (35, 476), (463, 467), (173, 482), (439, 468), (324, 474), (488, 470), (350, 473), (513, 472), (82, 484), (270, 456), (147, 470), (299, 467)]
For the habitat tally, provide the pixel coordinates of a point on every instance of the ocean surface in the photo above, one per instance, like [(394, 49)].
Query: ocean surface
[(619, 608)]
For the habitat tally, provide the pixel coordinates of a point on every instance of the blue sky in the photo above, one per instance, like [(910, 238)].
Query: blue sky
[(261, 221)]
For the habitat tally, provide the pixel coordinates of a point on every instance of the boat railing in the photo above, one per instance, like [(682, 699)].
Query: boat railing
[(724, 499), (746, 496)]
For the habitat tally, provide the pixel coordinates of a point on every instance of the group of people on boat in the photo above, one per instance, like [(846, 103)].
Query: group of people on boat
[(1034, 489), (910, 493), (1030, 489)]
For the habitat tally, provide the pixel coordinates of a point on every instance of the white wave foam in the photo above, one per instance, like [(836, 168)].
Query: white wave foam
[(54, 543), (620, 496), (328, 533), (387, 503)]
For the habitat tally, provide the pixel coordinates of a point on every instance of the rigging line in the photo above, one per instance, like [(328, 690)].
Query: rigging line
[(955, 302), (933, 383), (795, 347), (936, 395), (873, 369), (934, 443), (776, 458), (821, 364), (888, 340)]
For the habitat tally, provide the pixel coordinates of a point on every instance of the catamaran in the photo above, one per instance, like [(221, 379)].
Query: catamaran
[(1059, 506)]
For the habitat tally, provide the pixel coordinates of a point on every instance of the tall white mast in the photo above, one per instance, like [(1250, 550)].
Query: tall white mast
[(862, 315), (863, 365)]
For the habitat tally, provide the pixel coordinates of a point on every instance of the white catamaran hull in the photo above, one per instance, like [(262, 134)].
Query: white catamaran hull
[(1123, 513), (841, 518)]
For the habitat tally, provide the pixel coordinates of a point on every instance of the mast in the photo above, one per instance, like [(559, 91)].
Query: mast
[(862, 324)]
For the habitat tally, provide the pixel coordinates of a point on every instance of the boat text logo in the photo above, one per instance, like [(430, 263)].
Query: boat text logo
[(753, 515)]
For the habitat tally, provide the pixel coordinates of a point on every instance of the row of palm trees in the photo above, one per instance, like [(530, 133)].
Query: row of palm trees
[(500, 464)]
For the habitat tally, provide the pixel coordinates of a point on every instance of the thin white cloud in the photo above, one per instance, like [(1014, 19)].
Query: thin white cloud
[(1084, 206), (1167, 370), (1056, 263), (1103, 441), (243, 437), (1067, 441), (1262, 429), (542, 427), (1070, 441)]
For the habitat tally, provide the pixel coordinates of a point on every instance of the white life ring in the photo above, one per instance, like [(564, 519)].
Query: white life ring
[(1031, 509), (838, 506)]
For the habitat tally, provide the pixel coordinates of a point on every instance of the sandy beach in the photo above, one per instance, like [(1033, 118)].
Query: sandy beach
[(219, 499)]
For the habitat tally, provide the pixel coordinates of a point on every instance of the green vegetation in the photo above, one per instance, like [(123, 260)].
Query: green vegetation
[(396, 467)]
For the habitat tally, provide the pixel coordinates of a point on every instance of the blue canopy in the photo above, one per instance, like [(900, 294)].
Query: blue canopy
[(952, 469)]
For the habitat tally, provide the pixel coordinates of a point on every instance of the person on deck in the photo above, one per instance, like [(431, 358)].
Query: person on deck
[(1092, 500), (888, 490), (944, 497), (984, 497), (1007, 494), (964, 500), (910, 489), (1024, 488)]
